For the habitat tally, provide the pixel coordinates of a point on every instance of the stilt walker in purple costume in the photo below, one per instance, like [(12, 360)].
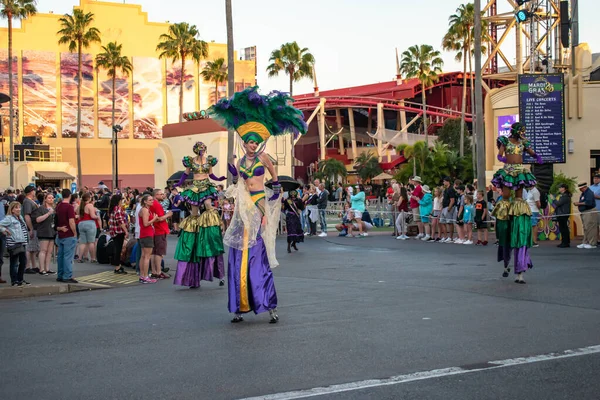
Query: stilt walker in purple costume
[(200, 249), (253, 228), (513, 218)]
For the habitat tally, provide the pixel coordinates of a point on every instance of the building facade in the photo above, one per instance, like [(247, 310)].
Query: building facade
[(45, 97)]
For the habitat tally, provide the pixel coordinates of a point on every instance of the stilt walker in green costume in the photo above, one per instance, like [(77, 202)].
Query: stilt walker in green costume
[(513, 218), (200, 249)]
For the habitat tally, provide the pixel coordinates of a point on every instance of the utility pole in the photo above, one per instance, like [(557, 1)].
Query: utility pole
[(479, 132), (230, 81)]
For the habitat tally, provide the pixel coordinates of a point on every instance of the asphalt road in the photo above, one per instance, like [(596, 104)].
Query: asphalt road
[(350, 310)]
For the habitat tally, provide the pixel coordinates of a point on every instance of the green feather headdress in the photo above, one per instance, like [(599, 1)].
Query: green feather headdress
[(257, 117)]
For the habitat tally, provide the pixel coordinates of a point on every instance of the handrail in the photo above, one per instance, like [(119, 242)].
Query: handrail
[(54, 154)]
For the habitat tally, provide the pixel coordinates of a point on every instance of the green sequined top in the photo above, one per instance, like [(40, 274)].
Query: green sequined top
[(196, 168), (513, 148)]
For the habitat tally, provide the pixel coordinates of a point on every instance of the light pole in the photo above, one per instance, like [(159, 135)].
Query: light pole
[(479, 132), (116, 129), (230, 79)]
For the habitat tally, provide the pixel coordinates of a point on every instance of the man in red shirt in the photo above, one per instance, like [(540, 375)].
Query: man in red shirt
[(417, 195), (389, 194), (67, 238), (161, 230)]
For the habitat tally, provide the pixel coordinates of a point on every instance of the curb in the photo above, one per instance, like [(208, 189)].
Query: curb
[(47, 290)]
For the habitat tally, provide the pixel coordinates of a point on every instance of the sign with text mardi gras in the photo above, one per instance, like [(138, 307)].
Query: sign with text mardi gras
[(542, 111)]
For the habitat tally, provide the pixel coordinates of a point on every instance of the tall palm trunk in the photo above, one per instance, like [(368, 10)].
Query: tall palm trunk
[(472, 109), (78, 140), (216, 91), (181, 88), (424, 96), (464, 103), (11, 145), (291, 83), (114, 137)]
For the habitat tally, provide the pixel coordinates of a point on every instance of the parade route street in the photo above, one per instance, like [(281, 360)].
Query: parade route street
[(354, 314)]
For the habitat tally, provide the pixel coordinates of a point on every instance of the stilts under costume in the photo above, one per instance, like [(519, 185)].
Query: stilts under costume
[(513, 218), (255, 117), (199, 251)]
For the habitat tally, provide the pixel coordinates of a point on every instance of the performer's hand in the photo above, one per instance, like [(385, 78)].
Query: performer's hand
[(264, 221), (232, 169), (502, 158), (538, 159), (274, 197)]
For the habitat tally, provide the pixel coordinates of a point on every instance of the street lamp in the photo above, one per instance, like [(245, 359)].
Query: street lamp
[(116, 129)]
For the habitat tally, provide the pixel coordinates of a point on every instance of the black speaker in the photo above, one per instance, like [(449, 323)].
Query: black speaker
[(565, 24), (29, 139)]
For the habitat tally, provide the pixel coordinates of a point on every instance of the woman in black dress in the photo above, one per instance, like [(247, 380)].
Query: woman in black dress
[(292, 207)]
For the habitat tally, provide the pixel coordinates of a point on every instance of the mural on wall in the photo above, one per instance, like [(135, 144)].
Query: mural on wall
[(148, 101), (173, 79), (68, 79), (105, 104), (4, 88), (39, 93)]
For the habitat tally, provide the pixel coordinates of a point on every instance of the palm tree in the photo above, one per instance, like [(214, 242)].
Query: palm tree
[(19, 9), (367, 166), (296, 62), (460, 38), (424, 63), (332, 169), (180, 43), (215, 71), (77, 32), (113, 61)]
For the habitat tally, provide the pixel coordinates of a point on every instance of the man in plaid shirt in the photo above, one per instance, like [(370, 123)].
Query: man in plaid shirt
[(118, 230)]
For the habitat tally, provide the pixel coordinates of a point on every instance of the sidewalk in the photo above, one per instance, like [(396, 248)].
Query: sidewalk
[(47, 285)]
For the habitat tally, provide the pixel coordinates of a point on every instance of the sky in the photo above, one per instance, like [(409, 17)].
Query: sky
[(353, 41)]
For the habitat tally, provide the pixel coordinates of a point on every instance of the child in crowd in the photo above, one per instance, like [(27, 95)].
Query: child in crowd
[(346, 217), (468, 219), (481, 214), (437, 211), (227, 211), (460, 204), (425, 209)]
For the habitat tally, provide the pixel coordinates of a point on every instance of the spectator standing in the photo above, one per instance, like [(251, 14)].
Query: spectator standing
[(118, 230), (161, 230), (393, 209), (311, 203), (67, 238), (468, 219), (403, 211), (562, 210), (448, 216), (176, 201), (146, 221), (43, 218), (322, 199), (437, 212), (357, 204), (460, 205), (17, 235), (589, 217), (425, 210), (339, 192), (595, 188), (416, 196), (533, 201), (481, 217), (33, 245), (87, 228)]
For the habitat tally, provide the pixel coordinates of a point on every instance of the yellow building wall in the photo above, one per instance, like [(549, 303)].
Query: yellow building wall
[(128, 25)]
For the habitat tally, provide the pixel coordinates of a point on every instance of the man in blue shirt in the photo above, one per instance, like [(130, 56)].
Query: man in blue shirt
[(589, 217), (596, 189)]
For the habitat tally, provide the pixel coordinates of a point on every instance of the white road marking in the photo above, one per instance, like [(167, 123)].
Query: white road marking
[(426, 319), (423, 375)]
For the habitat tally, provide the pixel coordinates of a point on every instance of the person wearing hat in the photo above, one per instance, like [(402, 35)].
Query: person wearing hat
[(589, 217), (513, 218), (562, 210), (252, 232), (425, 209), (415, 198)]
